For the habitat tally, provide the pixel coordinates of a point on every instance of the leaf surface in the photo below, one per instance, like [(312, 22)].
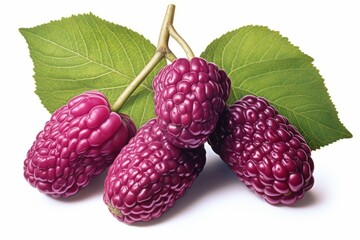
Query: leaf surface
[(85, 52), (261, 62)]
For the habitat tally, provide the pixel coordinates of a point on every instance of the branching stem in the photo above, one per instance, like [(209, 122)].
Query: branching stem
[(162, 51), (189, 53), (158, 56)]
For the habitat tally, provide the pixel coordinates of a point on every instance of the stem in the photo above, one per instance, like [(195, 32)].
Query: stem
[(158, 56), (161, 52), (189, 53), (170, 56), (164, 32)]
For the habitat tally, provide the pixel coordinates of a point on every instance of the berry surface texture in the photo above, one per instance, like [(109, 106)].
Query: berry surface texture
[(78, 143), (189, 96), (264, 150), (149, 175)]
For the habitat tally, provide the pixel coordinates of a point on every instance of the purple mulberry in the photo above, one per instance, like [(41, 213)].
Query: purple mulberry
[(264, 150), (149, 175), (80, 141), (189, 96)]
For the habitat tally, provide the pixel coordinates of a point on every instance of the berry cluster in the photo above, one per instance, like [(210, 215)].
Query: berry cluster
[(152, 168), (161, 162), (166, 155)]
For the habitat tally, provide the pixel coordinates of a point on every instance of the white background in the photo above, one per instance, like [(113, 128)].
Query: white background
[(218, 205)]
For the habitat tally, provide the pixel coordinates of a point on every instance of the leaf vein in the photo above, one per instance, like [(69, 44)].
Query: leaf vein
[(238, 49), (83, 40), (253, 49), (123, 48), (80, 55), (96, 40), (77, 79)]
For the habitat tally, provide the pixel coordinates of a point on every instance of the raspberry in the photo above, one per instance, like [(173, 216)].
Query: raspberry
[(264, 150), (189, 96), (149, 175), (80, 141)]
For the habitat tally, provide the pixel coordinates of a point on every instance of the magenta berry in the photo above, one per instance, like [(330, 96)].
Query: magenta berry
[(189, 96), (264, 150), (149, 175), (79, 142)]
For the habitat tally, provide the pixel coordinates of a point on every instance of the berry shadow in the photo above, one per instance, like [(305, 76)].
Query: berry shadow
[(215, 176), (94, 189), (310, 198)]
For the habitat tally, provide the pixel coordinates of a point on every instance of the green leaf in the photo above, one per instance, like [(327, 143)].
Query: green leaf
[(85, 52), (261, 62)]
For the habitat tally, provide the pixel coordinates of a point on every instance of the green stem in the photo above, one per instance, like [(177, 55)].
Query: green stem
[(189, 53), (158, 56), (170, 56), (161, 52), (163, 43)]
